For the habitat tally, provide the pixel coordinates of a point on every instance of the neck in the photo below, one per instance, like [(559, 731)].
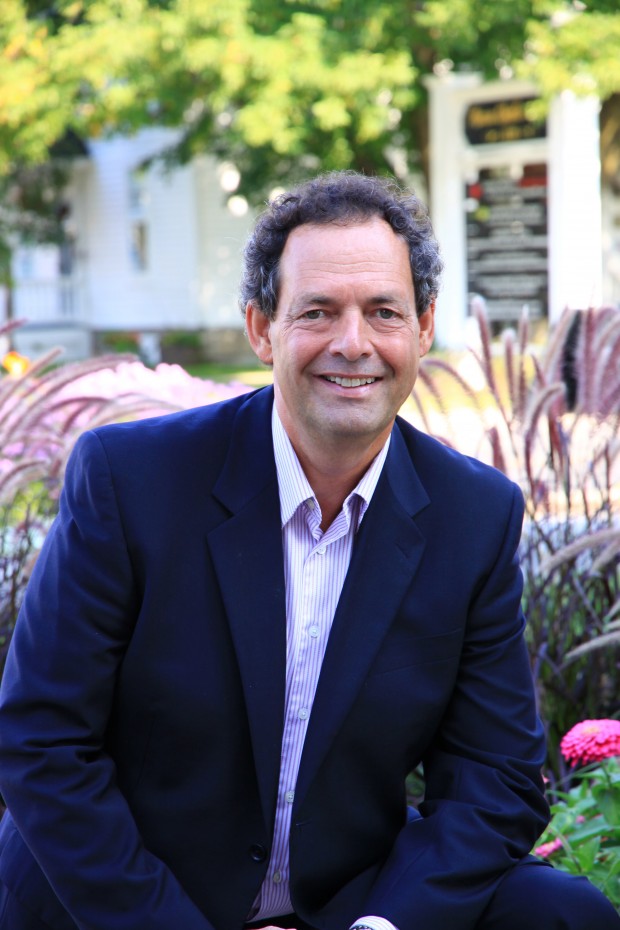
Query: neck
[(333, 470)]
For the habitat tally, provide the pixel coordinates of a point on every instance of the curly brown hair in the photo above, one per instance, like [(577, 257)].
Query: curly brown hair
[(344, 197)]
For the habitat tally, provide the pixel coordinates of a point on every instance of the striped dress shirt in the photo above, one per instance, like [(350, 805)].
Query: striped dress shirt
[(315, 566)]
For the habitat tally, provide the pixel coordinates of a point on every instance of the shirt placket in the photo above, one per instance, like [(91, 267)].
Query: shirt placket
[(310, 631)]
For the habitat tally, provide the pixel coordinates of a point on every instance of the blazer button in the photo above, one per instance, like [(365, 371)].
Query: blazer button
[(257, 852)]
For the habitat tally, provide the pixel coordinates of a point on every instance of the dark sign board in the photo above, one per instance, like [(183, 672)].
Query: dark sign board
[(507, 258), (502, 121)]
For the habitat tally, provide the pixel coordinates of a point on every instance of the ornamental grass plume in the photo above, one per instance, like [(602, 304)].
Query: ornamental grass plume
[(44, 407), (548, 416), (591, 741)]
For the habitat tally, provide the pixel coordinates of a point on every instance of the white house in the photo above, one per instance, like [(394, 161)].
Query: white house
[(150, 251)]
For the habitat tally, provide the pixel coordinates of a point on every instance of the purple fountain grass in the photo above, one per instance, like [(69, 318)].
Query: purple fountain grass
[(551, 422), (43, 410)]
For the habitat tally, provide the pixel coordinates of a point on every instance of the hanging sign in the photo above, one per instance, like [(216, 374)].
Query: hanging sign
[(507, 257), (502, 121)]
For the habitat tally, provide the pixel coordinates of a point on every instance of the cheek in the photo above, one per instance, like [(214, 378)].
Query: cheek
[(403, 359), (297, 351)]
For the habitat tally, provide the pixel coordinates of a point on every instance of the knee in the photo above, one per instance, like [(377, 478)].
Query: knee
[(584, 907), (539, 897)]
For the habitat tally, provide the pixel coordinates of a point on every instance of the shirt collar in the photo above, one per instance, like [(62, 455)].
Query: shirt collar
[(294, 487)]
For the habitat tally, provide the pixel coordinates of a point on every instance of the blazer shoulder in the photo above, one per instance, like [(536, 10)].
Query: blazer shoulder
[(194, 424), (439, 464), (157, 457)]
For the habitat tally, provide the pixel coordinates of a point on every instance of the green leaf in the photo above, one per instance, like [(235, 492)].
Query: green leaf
[(608, 799), (586, 854)]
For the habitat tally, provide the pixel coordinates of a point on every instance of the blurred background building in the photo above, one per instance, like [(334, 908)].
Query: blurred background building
[(150, 256)]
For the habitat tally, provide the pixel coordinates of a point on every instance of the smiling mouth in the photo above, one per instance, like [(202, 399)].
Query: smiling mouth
[(349, 382)]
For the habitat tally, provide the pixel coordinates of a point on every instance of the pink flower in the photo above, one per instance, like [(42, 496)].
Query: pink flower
[(591, 741), (547, 849)]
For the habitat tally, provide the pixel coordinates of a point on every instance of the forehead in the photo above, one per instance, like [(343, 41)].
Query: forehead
[(333, 253)]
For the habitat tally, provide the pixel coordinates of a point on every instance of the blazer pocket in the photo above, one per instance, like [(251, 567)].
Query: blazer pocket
[(402, 650)]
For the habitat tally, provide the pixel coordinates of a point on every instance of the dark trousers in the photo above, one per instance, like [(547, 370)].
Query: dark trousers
[(535, 896), (531, 896)]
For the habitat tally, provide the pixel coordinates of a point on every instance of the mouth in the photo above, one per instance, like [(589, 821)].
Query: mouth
[(349, 382)]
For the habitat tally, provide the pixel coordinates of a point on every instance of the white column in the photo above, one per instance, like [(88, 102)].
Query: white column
[(575, 216), (446, 201)]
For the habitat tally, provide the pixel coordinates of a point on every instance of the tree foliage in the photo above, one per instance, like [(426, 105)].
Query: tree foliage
[(279, 87)]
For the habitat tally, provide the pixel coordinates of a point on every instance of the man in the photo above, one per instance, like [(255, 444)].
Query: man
[(251, 621)]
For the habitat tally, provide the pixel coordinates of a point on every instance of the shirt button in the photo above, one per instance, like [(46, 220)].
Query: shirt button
[(277, 877), (310, 504), (313, 631), (257, 852), (289, 797), (321, 550), (303, 713)]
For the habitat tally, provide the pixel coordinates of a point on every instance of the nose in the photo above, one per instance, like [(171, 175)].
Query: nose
[(351, 336)]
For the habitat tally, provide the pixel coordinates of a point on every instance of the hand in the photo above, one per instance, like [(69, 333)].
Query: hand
[(278, 928)]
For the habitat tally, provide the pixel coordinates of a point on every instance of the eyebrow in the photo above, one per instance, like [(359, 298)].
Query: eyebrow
[(304, 299), (387, 299), (322, 300)]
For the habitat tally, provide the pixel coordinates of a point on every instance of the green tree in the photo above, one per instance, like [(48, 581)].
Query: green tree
[(279, 87)]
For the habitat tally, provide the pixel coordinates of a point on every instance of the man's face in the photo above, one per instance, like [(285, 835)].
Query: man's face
[(345, 343)]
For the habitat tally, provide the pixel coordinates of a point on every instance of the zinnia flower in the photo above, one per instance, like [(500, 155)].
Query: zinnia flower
[(591, 741), (547, 849)]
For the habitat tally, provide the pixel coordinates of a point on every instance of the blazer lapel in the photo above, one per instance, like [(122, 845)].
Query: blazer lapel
[(387, 550), (247, 553)]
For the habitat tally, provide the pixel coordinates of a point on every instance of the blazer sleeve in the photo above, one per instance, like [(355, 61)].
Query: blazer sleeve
[(57, 691), (484, 803)]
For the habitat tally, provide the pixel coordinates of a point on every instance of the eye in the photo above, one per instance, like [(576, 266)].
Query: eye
[(384, 313), (313, 314)]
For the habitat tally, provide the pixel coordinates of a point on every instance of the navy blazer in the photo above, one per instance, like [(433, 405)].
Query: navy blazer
[(142, 703)]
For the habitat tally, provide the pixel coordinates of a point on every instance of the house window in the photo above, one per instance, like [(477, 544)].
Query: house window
[(139, 245), (138, 219)]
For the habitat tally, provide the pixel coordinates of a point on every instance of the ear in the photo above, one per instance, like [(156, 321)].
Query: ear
[(258, 328), (427, 328)]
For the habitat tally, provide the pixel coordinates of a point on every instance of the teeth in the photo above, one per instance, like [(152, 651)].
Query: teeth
[(350, 382)]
